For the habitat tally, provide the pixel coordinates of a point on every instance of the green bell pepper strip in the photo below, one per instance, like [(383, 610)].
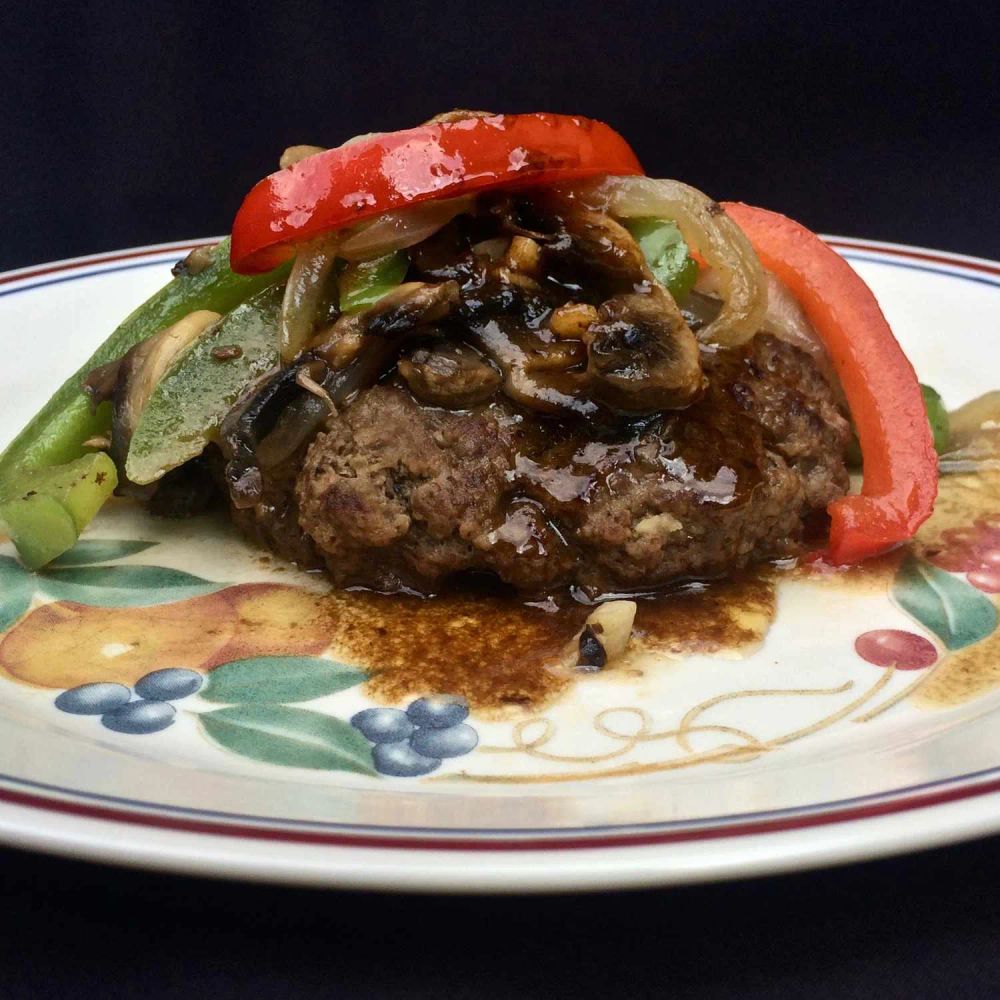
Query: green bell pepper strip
[(937, 416), (57, 432), (361, 285), (666, 253), (50, 507), (190, 401)]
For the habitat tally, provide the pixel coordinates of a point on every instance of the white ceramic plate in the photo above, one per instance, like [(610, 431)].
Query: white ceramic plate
[(705, 766)]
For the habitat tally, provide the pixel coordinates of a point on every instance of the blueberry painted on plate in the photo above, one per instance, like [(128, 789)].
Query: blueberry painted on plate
[(140, 717), (168, 684), (455, 741), (93, 699), (438, 711), (383, 725), (400, 760)]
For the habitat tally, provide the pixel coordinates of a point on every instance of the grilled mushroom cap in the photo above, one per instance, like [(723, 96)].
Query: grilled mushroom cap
[(643, 356), (454, 376), (401, 311)]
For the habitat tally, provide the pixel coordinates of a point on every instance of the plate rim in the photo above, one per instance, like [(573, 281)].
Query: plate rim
[(973, 799)]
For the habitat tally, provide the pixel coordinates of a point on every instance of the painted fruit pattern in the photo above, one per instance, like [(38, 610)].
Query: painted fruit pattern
[(126, 644)]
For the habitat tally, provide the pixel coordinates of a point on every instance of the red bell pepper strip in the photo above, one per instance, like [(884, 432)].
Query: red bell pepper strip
[(900, 465), (369, 177)]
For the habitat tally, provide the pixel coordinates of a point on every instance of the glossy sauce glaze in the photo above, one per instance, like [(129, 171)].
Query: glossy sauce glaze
[(499, 652)]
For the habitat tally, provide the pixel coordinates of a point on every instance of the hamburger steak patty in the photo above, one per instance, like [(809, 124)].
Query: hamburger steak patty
[(396, 494)]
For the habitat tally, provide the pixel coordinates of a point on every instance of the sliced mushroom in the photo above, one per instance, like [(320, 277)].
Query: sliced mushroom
[(562, 394), (130, 382), (454, 376), (558, 393), (256, 413), (576, 245), (560, 356), (643, 356), (593, 243), (404, 309), (277, 405)]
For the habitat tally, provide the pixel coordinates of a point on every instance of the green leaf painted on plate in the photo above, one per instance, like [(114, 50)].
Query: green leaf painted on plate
[(273, 680), (123, 586), (290, 737), (100, 550), (16, 587), (955, 611)]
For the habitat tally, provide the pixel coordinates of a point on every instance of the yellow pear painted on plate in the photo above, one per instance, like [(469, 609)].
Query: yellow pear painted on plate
[(63, 644), (275, 620)]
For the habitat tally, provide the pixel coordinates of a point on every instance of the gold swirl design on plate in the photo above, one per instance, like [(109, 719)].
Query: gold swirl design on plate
[(532, 736)]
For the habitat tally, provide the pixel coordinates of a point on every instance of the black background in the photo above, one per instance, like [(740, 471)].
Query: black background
[(127, 123), (924, 926)]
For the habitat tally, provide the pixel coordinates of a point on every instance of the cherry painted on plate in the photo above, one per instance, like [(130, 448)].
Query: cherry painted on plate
[(894, 647)]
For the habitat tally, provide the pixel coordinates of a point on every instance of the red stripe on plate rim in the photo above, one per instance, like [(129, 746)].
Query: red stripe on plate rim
[(488, 842), (105, 258)]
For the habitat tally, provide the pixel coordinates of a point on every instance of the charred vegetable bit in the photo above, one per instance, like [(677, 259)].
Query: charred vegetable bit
[(593, 656), (227, 352), (198, 260)]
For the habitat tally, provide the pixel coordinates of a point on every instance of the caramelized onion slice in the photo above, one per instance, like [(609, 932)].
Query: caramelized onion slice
[(304, 295), (707, 229), (603, 638), (402, 229)]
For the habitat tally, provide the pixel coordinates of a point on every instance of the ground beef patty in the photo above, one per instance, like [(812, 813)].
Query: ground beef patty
[(398, 494)]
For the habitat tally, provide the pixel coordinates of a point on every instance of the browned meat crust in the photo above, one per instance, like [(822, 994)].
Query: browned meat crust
[(397, 494)]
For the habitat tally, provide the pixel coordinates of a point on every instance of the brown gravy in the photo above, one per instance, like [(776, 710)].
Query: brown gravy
[(498, 652)]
